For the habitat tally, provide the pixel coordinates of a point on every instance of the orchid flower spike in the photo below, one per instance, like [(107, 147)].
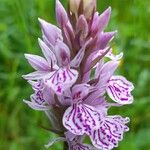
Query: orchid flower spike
[(73, 79)]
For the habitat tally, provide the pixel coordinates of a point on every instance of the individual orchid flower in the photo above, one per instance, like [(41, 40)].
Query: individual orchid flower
[(110, 132), (76, 76), (55, 69), (80, 118)]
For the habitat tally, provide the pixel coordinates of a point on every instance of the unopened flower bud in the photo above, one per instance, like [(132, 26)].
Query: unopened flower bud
[(88, 7)]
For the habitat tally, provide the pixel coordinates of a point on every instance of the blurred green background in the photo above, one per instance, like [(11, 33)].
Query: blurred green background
[(19, 30)]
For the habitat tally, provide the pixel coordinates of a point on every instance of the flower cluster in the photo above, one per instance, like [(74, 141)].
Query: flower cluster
[(74, 79)]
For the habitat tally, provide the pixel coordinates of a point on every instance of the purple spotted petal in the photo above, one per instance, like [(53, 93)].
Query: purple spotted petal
[(80, 119), (79, 146), (36, 85), (50, 32), (110, 132), (37, 62), (79, 91), (61, 79), (119, 90), (62, 53)]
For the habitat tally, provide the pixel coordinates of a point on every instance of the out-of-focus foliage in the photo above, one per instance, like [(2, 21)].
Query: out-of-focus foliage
[(19, 29)]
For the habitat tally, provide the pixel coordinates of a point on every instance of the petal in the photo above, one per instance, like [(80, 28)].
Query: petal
[(62, 53), (61, 79), (119, 90), (68, 35), (36, 85), (37, 62), (69, 135), (48, 95), (94, 58), (49, 55), (86, 77), (79, 91), (104, 19), (110, 133), (79, 56), (36, 106), (100, 22), (99, 66), (51, 32), (79, 146), (35, 75), (37, 98), (76, 144), (80, 119), (104, 38), (61, 14), (95, 22), (104, 73)]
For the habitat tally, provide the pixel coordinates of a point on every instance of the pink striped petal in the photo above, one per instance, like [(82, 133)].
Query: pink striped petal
[(80, 119), (61, 79), (37, 62), (79, 91), (119, 90), (110, 132)]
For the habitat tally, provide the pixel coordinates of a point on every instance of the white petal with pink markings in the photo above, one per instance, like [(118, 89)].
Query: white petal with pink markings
[(110, 132), (119, 90), (61, 79), (81, 118)]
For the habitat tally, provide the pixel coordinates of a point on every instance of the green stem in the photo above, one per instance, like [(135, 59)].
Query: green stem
[(66, 146)]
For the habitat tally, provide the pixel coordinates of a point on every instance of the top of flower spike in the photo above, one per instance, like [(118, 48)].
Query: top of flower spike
[(86, 7)]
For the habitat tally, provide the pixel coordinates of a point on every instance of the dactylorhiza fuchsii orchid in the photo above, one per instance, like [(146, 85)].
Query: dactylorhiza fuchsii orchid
[(74, 80)]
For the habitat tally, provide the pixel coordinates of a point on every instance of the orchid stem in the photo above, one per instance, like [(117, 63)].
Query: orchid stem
[(66, 146)]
